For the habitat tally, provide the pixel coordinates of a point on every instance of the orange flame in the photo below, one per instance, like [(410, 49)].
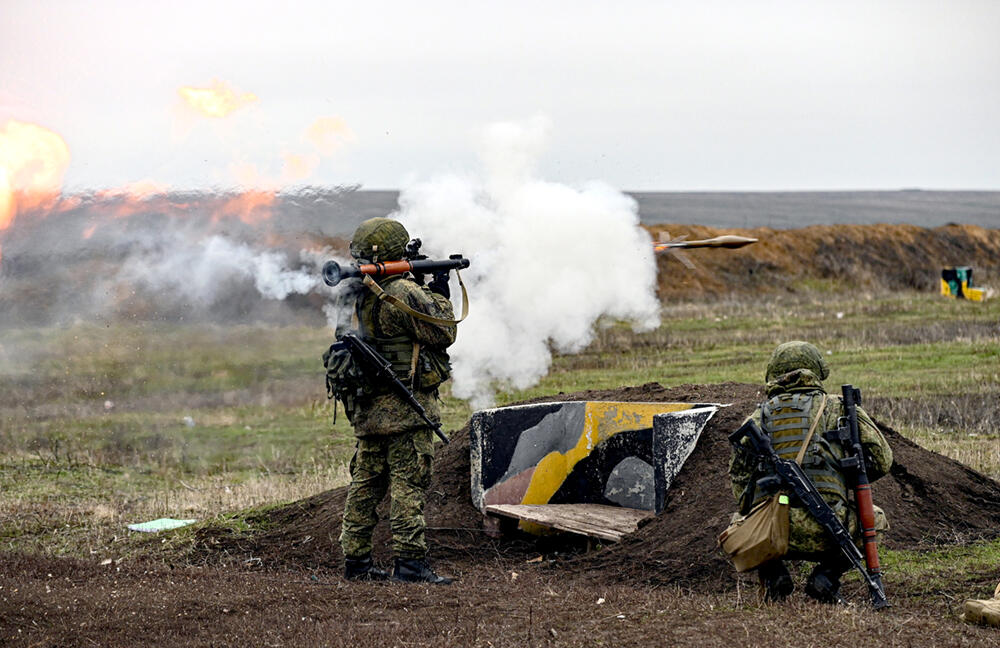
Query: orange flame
[(328, 134), (33, 160), (146, 188), (251, 207), (297, 167), (126, 201), (217, 100), (6, 200)]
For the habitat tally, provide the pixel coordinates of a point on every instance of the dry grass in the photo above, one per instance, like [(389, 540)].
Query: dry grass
[(93, 521), (75, 472), (981, 452)]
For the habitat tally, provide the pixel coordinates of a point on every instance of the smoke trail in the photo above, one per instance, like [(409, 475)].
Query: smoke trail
[(216, 256), (201, 272), (548, 261)]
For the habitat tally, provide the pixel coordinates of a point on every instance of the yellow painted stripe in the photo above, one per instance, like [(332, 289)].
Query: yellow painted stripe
[(602, 420)]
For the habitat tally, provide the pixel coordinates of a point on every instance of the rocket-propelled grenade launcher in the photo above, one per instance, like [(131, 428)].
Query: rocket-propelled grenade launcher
[(334, 273)]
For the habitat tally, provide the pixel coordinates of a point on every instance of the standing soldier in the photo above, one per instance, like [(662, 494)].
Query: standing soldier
[(796, 399), (394, 445)]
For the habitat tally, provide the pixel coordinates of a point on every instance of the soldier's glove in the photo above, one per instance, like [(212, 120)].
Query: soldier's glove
[(439, 284)]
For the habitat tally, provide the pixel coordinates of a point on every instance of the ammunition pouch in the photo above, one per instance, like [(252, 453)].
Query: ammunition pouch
[(434, 367), (344, 379), (424, 368), (398, 351)]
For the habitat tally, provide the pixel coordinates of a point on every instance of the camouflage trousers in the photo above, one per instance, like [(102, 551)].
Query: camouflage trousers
[(402, 463), (809, 541), (807, 538)]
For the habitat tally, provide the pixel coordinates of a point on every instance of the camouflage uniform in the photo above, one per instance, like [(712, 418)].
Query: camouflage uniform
[(794, 377), (395, 447)]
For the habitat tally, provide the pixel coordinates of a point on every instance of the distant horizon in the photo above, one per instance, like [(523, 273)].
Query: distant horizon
[(358, 187), (310, 206)]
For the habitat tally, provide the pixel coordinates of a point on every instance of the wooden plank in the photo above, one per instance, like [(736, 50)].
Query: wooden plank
[(595, 520)]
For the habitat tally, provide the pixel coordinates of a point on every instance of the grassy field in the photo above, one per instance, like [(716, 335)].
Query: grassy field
[(101, 426)]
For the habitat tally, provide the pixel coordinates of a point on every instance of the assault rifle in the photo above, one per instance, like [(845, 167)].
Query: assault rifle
[(378, 369), (793, 477), (849, 437)]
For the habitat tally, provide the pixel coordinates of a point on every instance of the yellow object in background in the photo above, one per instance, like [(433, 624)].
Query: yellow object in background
[(956, 282)]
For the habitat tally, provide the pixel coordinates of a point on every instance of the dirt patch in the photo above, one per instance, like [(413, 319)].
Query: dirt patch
[(666, 581), (929, 499), (62, 602)]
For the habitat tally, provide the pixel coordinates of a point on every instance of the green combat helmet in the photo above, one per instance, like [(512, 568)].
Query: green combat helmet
[(379, 239), (796, 355)]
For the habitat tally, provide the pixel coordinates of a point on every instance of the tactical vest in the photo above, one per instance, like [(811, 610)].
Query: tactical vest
[(419, 368), (786, 418)]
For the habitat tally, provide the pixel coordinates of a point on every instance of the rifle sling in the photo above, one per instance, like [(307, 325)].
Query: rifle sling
[(384, 296), (413, 365)]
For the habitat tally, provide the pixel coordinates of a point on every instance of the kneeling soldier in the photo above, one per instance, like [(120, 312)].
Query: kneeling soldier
[(796, 399)]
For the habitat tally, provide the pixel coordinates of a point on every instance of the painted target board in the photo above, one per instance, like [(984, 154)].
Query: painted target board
[(584, 452)]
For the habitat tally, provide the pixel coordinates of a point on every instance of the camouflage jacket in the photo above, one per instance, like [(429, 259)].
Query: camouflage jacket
[(806, 536), (387, 413)]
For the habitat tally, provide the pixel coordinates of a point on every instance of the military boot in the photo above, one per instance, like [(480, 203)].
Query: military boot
[(362, 569), (411, 570), (775, 580), (824, 585)]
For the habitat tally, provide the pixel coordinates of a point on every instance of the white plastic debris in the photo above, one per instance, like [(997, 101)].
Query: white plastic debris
[(161, 524)]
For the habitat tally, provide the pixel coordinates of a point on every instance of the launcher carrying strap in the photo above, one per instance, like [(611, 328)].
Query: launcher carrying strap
[(384, 296)]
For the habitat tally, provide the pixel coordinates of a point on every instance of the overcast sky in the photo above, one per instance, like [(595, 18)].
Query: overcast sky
[(643, 95)]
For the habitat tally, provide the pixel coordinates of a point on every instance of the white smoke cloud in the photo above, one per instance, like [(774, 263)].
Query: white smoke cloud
[(548, 261), (203, 270)]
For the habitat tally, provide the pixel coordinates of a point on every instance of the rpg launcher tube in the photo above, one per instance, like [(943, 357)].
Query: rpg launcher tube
[(334, 273)]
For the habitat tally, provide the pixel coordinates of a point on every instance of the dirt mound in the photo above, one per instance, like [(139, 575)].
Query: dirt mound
[(927, 497), (867, 257)]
